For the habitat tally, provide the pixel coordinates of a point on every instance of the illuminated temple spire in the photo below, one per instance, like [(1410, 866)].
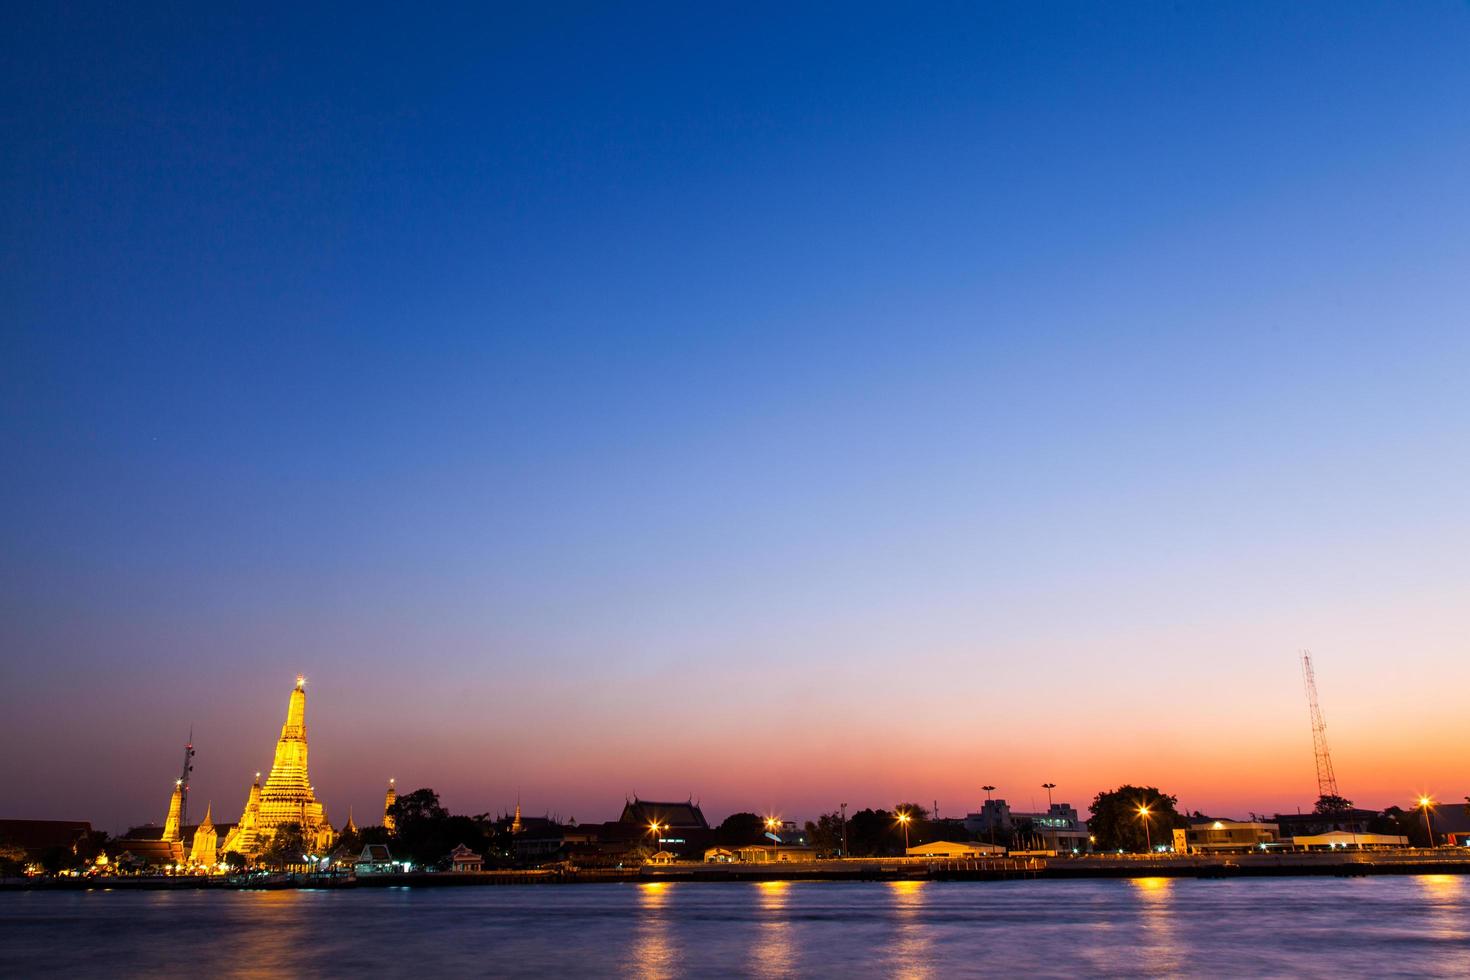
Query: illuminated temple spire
[(390, 822), (172, 831), (202, 851), (287, 796)]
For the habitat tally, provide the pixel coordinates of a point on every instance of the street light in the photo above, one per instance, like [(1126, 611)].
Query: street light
[(1048, 787), (1147, 836), (989, 817), (1427, 804), (772, 825), (653, 829), (903, 818)]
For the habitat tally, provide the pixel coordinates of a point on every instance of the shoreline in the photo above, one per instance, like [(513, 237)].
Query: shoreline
[(1418, 862)]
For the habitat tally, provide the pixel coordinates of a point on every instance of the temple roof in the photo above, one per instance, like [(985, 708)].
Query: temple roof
[(685, 815)]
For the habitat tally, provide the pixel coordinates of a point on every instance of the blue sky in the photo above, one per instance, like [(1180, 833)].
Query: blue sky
[(532, 371)]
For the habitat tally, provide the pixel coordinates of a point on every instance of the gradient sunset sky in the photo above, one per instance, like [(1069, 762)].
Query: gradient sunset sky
[(779, 407)]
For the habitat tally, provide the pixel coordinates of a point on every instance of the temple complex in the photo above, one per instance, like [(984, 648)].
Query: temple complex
[(287, 797)]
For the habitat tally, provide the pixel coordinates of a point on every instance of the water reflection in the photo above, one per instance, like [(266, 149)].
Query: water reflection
[(1445, 896), (1160, 949), (910, 952), (653, 953), (773, 952)]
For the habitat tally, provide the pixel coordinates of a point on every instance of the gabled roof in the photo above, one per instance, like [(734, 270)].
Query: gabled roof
[(678, 816), (375, 852)]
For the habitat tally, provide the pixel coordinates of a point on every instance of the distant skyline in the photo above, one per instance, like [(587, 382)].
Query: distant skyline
[(780, 407)]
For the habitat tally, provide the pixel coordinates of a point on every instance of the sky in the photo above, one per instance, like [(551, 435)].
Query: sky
[(776, 405)]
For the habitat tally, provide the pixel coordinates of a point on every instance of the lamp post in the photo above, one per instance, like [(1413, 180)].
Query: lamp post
[(1427, 804), (903, 818), (1048, 787), (844, 828), (989, 817), (653, 829), (1147, 835), (772, 823)]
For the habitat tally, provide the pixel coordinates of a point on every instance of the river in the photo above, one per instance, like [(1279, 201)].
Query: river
[(1380, 926)]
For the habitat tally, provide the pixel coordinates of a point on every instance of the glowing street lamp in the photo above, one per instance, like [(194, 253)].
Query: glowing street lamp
[(1426, 804), (653, 828), (1147, 835), (773, 824), (904, 818)]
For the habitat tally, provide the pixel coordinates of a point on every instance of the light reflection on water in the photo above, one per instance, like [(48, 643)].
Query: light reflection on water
[(772, 954), (653, 954), (909, 953), (1282, 926), (1159, 955)]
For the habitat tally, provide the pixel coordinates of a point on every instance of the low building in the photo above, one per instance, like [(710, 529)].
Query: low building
[(1229, 836), (774, 853), (375, 859), (955, 850), (464, 859), (720, 855), (1342, 840), (149, 855)]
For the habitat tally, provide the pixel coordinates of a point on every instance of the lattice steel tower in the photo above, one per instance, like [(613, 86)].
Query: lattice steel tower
[(1326, 779), (184, 780)]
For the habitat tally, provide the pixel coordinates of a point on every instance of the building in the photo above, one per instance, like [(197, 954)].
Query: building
[(375, 859), (955, 850), (38, 839), (651, 825), (1353, 821), (464, 859), (1059, 828), (1342, 840), (1228, 836), (203, 850), (773, 853), (287, 797), (138, 854), (390, 817)]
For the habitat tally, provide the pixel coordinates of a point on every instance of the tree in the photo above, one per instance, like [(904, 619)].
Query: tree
[(1117, 824), (12, 859), (825, 832), (286, 849), (420, 805), (1329, 804), (741, 828)]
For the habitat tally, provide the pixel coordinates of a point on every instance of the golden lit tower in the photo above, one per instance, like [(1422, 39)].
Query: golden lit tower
[(173, 828), (202, 851), (287, 796), (243, 836), (390, 822)]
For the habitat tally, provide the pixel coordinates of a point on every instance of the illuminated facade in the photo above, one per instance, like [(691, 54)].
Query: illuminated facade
[(203, 850), (287, 796), (172, 830), (390, 822)]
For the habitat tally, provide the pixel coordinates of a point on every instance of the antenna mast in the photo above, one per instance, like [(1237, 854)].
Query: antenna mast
[(184, 781), (1326, 779)]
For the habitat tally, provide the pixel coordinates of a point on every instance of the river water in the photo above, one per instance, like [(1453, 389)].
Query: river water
[(1383, 926)]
